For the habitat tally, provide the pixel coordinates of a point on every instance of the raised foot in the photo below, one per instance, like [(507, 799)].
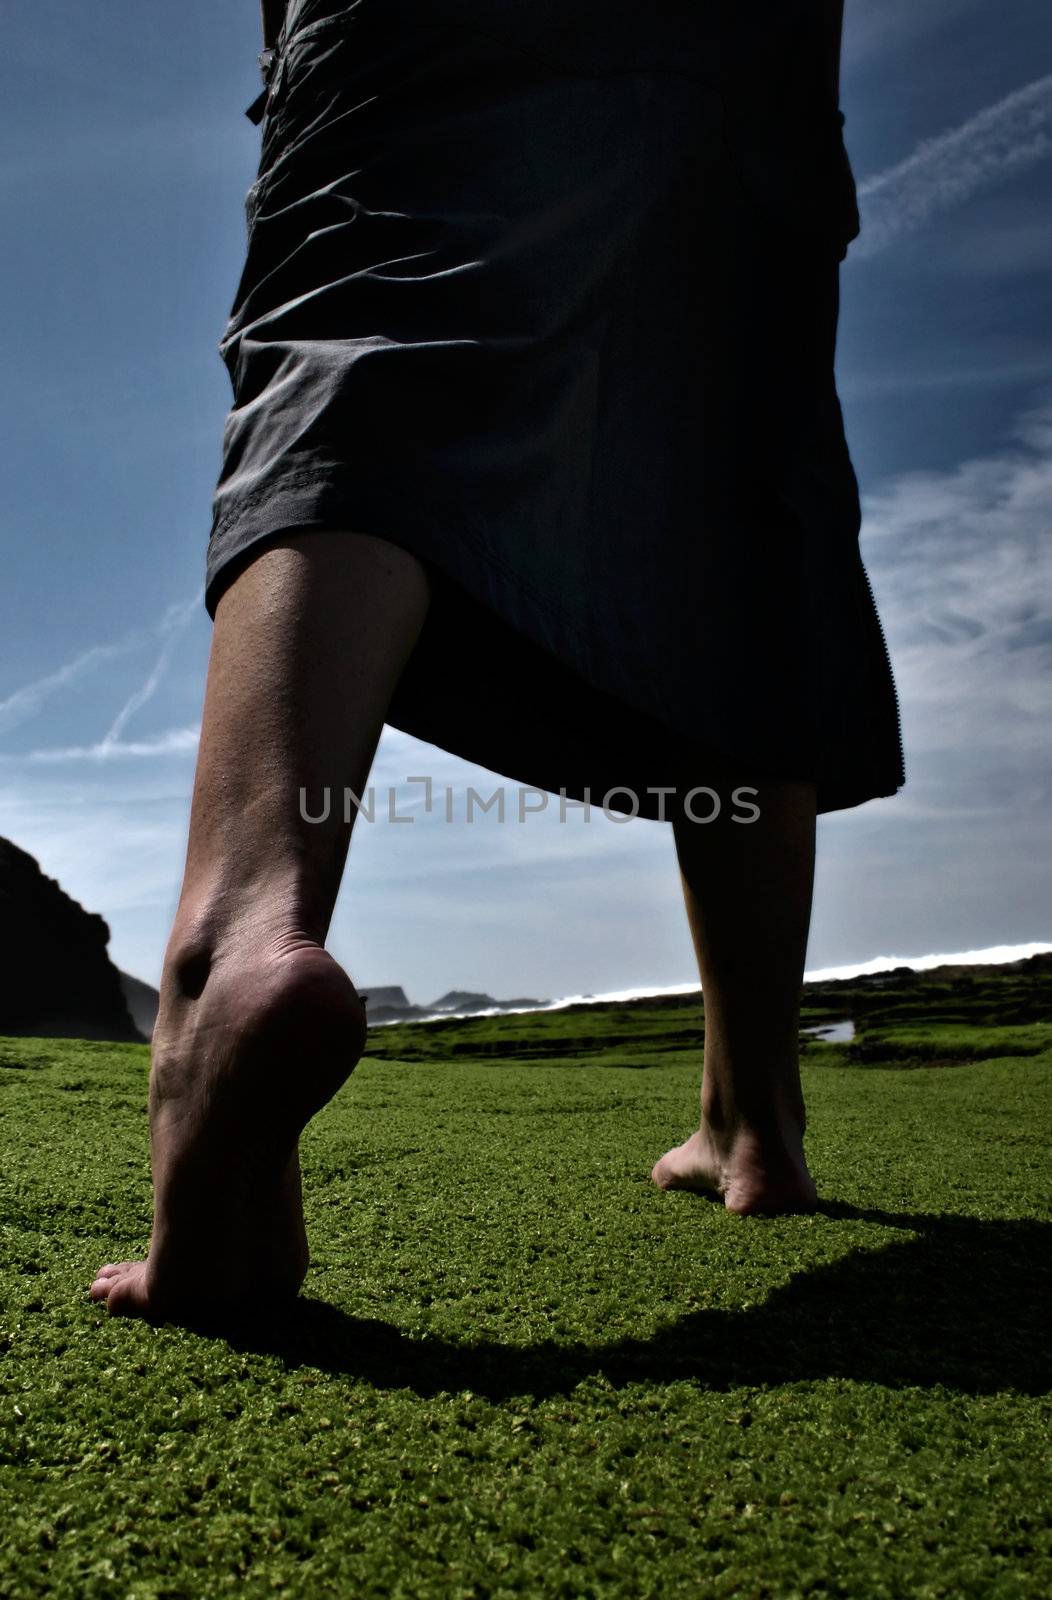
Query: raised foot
[(236, 1074), (753, 1174)]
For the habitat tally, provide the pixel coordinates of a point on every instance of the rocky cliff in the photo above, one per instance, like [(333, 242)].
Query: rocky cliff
[(390, 995), (390, 1003), (56, 977)]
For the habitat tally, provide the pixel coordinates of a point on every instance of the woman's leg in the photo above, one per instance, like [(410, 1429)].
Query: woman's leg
[(748, 888), (258, 1026)]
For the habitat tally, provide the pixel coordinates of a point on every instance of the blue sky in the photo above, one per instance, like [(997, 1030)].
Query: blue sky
[(126, 156)]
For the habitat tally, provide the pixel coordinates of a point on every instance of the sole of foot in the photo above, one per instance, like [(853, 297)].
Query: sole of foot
[(753, 1176), (235, 1076)]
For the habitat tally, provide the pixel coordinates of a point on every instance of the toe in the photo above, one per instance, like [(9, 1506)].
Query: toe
[(127, 1295), (663, 1175), (107, 1278)]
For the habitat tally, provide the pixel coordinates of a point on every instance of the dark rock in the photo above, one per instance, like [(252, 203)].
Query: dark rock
[(462, 1000), (382, 998), (56, 976), (391, 1004)]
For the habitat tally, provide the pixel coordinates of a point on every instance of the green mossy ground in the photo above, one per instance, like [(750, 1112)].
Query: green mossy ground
[(518, 1368)]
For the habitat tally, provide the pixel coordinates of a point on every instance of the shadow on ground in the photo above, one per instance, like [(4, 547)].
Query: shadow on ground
[(959, 1307)]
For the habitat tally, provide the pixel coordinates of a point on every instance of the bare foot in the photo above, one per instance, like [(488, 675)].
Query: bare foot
[(753, 1173), (236, 1074)]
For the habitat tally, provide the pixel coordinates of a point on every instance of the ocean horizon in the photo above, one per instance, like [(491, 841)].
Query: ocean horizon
[(991, 955)]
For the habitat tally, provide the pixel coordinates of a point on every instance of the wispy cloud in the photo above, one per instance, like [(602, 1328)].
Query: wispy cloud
[(27, 702), (957, 561), (175, 620), (998, 141), (174, 741), (905, 380)]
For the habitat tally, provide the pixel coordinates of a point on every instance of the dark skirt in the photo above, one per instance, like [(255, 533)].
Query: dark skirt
[(546, 293)]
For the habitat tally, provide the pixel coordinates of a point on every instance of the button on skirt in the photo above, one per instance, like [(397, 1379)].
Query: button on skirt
[(547, 295)]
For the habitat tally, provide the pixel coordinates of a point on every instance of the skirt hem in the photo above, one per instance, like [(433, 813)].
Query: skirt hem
[(508, 727)]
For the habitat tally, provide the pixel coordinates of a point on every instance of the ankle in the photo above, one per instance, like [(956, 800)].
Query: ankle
[(207, 937), (774, 1113), (216, 918), (266, 967)]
